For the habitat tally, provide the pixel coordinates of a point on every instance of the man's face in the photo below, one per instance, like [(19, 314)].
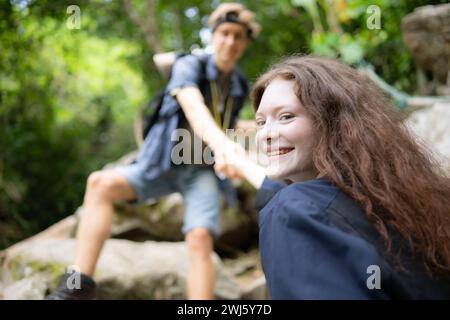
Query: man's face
[(229, 41)]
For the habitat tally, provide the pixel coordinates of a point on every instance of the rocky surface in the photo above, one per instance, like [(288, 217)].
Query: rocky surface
[(145, 258), (426, 33), (126, 270), (432, 126)]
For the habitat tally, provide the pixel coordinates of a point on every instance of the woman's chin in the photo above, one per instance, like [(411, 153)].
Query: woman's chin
[(274, 174)]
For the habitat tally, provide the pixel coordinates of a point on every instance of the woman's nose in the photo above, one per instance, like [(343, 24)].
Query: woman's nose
[(267, 135)]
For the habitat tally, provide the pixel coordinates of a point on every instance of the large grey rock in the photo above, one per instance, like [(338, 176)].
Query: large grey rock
[(126, 270), (432, 126), (162, 218), (426, 33), (29, 288)]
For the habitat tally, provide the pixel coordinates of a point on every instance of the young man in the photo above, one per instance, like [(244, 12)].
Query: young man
[(204, 96)]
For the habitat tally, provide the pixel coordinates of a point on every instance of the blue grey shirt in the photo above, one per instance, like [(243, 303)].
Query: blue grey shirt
[(188, 71), (316, 243)]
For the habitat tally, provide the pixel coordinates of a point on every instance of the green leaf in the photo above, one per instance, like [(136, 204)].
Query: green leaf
[(351, 52)]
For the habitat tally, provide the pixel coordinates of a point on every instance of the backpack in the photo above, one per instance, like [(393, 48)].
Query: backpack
[(149, 113)]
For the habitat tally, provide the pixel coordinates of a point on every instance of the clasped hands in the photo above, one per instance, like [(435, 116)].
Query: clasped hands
[(227, 158)]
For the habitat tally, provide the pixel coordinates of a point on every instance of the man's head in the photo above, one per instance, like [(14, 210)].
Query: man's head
[(232, 28)]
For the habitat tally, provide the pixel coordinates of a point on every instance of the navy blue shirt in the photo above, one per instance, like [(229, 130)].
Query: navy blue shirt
[(316, 243), (188, 71)]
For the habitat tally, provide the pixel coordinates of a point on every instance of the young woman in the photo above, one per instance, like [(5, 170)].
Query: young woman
[(354, 208)]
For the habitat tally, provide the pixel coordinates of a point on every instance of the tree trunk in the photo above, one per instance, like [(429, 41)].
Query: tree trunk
[(148, 25)]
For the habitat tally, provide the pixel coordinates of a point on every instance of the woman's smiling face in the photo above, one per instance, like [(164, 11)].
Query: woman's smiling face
[(285, 133)]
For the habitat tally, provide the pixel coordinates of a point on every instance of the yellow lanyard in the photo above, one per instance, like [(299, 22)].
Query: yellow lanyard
[(215, 103)]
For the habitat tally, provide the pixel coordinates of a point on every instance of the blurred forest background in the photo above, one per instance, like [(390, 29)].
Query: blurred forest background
[(68, 97)]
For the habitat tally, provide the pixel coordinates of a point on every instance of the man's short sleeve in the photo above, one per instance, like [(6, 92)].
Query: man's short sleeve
[(186, 72)]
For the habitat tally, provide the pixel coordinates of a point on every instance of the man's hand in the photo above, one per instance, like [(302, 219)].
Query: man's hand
[(226, 158)]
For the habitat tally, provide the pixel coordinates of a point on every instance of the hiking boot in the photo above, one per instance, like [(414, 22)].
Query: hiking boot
[(67, 291)]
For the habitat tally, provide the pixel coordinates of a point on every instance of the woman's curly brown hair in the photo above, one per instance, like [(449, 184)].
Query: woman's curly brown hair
[(365, 149)]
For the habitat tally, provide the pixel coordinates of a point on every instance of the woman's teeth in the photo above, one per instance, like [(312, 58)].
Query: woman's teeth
[(279, 152)]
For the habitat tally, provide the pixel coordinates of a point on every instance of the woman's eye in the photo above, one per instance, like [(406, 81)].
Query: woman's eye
[(260, 123), (286, 117)]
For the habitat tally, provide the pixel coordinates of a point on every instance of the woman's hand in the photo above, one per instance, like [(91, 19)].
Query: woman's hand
[(233, 162)]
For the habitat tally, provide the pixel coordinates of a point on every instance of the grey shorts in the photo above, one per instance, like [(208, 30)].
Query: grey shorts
[(197, 184)]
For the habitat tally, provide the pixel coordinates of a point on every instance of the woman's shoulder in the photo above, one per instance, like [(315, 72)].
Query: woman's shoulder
[(317, 198), (324, 201), (267, 191), (311, 196), (302, 199), (320, 191)]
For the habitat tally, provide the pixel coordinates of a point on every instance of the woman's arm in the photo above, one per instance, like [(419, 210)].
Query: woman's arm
[(253, 172)]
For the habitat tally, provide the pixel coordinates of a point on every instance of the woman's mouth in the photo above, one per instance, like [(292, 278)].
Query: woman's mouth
[(279, 152)]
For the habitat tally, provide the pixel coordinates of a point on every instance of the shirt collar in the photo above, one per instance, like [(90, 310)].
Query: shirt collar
[(212, 73)]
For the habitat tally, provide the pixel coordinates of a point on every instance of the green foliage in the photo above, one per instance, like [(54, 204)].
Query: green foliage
[(67, 105), (342, 29)]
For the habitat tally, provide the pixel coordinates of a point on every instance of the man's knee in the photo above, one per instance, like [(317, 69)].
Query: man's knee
[(199, 240), (101, 184)]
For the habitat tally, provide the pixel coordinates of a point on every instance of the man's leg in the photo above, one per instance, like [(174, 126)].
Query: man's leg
[(201, 195), (201, 273), (103, 188)]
